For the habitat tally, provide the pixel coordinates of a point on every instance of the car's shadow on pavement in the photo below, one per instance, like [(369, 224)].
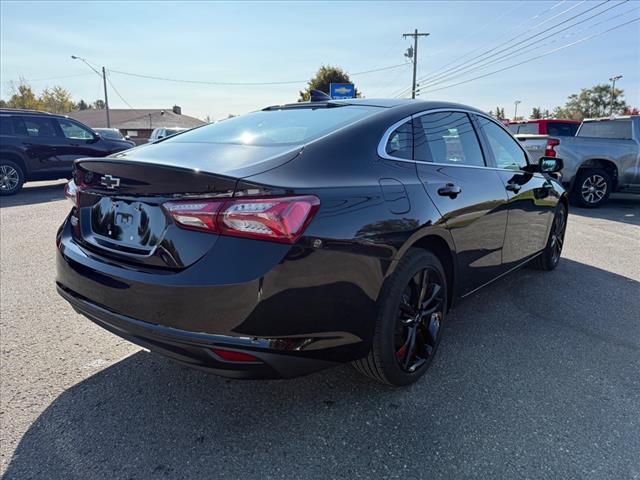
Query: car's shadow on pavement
[(34, 193), (537, 377), (619, 208)]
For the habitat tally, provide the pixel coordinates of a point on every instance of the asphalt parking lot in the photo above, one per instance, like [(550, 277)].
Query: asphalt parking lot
[(538, 376)]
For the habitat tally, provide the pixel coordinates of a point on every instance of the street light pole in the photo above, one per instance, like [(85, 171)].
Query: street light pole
[(613, 91), (104, 84), (515, 113)]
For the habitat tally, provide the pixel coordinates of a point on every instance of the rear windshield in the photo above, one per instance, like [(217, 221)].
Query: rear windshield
[(277, 127), (106, 133), (619, 129), (562, 129), (524, 128)]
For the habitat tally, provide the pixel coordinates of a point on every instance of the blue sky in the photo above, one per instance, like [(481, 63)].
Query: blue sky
[(287, 41)]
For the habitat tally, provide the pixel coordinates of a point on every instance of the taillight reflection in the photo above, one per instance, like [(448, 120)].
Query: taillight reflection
[(71, 193), (549, 150), (279, 219)]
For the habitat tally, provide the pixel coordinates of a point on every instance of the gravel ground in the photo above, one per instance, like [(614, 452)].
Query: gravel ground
[(538, 376)]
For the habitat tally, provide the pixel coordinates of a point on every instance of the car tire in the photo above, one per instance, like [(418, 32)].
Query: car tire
[(406, 338), (550, 256), (591, 187), (11, 177)]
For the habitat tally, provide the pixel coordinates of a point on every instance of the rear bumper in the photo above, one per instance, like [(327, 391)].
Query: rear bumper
[(297, 309), (195, 349)]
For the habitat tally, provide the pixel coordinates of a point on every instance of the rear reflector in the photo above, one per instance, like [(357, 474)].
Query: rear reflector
[(233, 356), (279, 219)]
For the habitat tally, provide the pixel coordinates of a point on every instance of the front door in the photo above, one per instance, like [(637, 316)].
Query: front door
[(532, 196), (470, 197)]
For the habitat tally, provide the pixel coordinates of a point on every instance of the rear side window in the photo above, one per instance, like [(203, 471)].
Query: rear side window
[(618, 129), (278, 127), (562, 129), (528, 129), (505, 149), (447, 137), (400, 143), (5, 125), (35, 126)]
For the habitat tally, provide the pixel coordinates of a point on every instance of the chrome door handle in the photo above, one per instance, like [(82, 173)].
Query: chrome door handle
[(450, 190), (513, 187)]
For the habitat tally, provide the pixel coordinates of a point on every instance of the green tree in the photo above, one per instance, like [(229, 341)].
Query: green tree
[(56, 100), (536, 114), (82, 105), (99, 104), (593, 102), (323, 77), (22, 96), (499, 112)]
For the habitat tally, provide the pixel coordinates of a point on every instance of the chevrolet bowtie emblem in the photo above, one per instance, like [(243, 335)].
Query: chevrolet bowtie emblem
[(109, 181)]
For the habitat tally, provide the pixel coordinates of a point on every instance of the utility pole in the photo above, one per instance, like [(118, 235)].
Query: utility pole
[(414, 54), (106, 99), (104, 83), (515, 113), (613, 91)]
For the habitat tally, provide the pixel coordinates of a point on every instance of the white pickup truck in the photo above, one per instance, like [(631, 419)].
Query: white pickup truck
[(603, 157)]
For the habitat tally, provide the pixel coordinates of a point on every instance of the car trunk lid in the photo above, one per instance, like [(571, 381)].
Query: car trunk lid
[(120, 200)]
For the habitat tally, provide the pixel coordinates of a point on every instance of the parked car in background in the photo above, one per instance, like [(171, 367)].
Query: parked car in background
[(159, 133), (303, 236), (113, 134), (603, 157), (545, 126), (42, 146)]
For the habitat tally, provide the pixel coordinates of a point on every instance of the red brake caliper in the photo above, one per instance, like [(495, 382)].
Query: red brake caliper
[(400, 353)]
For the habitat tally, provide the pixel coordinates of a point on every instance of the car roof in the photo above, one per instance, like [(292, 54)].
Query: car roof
[(388, 103), (20, 111), (544, 120), (617, 117)]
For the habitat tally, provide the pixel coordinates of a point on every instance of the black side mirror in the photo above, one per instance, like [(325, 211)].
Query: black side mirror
[(550, 164)]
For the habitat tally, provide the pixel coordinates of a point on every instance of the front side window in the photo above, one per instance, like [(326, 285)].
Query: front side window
[(618, 129), (73, 131), (447, 137), (505, 149), (400, 143)]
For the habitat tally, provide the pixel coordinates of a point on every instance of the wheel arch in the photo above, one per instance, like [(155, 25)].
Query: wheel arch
[(605, 164), (439, 242), (16, 158)]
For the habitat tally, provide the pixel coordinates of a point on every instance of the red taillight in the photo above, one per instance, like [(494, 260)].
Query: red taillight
[(279, 219), (71, 193), (234, 356), (549, 150)]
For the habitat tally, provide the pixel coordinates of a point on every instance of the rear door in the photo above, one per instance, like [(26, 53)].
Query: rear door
[(470, 196), (41, 138), (532, 197)]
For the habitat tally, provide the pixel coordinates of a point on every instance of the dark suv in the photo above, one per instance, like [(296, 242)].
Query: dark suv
[(42, 146)]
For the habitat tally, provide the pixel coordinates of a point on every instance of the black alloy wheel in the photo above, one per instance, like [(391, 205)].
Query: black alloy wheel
[(419, 320), (411, 314), (550, 256)]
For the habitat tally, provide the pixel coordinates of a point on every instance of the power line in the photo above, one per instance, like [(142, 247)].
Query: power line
[(440, 70), (506, 42), (584, 39), (120, 95), (483, 64), (204, 82)]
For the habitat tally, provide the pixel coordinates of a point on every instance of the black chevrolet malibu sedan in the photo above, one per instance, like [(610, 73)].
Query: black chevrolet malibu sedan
[(302, 236)]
